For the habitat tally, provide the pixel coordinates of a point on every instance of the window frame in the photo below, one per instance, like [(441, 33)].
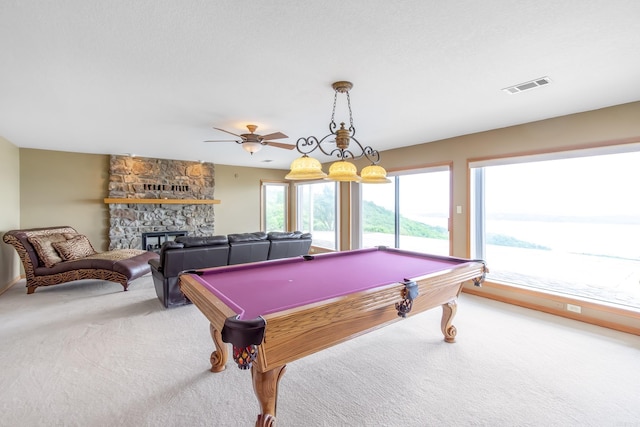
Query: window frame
[(477, 214), (357, 233), (264, 185), (337, 206)]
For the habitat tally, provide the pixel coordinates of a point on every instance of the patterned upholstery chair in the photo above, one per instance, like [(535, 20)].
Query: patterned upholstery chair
[(55, 255)]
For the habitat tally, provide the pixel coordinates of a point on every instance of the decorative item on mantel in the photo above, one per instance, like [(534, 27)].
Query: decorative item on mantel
[(306, 167), (165, 201)]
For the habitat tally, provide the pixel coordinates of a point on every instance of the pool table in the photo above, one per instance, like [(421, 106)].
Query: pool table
[(275, 312)]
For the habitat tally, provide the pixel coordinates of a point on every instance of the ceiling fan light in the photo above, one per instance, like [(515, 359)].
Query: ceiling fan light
[(343, 171), (374, 174), (305, 168), (251, 147)]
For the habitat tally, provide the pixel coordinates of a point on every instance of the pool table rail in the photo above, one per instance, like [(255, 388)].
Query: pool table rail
[(299, 332)]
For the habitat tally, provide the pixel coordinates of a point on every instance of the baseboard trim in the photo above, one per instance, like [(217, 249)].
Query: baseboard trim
[(606, 315), (8, 286)]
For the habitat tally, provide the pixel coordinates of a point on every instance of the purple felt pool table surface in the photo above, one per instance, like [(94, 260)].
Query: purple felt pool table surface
[(262, 288)]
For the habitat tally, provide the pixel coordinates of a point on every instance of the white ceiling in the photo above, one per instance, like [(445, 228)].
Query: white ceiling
[(152, 77)]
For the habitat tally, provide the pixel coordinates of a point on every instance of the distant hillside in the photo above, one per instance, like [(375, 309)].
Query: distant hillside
[(502, 240), (381, 220)]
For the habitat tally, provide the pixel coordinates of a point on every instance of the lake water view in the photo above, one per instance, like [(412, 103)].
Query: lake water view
[(615, 240), (592, 260)]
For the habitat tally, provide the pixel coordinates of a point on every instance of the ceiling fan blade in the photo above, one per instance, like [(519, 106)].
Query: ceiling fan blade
[(279, 145), (275, 135), (222, 140), (231, 133)]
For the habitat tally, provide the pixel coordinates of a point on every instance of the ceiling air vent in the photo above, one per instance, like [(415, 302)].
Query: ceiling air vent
[(521, 87)]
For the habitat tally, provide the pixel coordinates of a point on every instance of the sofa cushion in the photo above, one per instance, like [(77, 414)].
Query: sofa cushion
[(280, 235), (247, 237), (76, 247), (287, 248), (131, 263), (43, 245), (192, 241), (244, 251)]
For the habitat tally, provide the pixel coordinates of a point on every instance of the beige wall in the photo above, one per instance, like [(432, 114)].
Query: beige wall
[(10, 211), (60, 188), (238, 189)]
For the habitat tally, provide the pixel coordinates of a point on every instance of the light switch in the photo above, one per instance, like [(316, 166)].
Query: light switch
[(459, 209)]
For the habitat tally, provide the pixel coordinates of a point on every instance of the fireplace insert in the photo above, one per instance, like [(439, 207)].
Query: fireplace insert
[(153, 241)]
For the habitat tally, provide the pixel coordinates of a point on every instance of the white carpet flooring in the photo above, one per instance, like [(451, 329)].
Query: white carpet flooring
[(89, 354)]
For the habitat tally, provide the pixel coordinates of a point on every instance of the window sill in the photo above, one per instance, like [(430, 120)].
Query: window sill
[(620, 318)]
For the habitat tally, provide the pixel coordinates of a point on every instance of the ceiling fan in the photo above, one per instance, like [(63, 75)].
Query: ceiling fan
[(252, 142)]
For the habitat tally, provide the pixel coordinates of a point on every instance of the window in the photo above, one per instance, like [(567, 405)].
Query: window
[(317, 212), (567, 223), (275, 202), (411, 212)]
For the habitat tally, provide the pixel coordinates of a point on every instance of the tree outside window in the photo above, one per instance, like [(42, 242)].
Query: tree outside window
[(275, 201), (317, 212)]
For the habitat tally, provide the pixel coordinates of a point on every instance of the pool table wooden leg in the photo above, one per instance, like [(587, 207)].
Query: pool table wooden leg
[(218, 357), (265, 386), (448, 312)]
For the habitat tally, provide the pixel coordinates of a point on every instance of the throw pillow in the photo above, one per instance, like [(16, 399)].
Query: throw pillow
[(44, 248), (75, 248)]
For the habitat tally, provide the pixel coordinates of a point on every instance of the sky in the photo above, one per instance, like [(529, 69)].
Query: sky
[(601, 185), (584, 186), (420, 194)]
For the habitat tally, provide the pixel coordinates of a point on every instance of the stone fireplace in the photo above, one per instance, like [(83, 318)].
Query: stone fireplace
[(146, 181)]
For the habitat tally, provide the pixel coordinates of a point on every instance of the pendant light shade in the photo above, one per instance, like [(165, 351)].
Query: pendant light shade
[(343, 171), (305, 168), (374, 174)]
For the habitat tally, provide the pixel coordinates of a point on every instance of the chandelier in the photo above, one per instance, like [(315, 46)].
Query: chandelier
[(337, 144)]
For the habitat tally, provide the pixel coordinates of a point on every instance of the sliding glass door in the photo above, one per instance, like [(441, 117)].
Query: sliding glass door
[(275, 206), (411, 212), (317, 207)]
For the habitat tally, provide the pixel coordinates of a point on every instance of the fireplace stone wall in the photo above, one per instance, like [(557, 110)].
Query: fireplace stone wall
[(146, 178)]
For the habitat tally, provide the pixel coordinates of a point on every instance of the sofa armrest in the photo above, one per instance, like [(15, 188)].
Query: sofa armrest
[(155, 264), (194, 258)]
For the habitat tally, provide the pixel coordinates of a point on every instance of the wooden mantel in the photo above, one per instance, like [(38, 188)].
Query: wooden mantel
[(163, 201)]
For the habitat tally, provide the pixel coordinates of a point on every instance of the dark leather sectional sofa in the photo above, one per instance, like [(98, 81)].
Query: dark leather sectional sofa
[(189, 253)]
